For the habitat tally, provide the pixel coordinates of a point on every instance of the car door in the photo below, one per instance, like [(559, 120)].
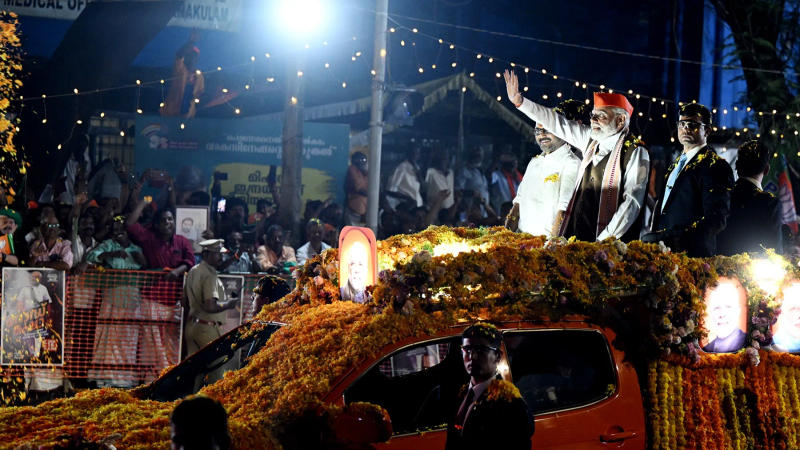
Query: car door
[(581, 392), (416, 385)]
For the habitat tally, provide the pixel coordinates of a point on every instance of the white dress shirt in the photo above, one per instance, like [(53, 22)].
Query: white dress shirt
[(634, 186), (404, 180), (546, 188), (436, 181), (307, 251)]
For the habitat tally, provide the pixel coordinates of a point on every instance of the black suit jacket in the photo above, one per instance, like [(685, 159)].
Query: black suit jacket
[(755, 220), (698, 206), (502, 423)]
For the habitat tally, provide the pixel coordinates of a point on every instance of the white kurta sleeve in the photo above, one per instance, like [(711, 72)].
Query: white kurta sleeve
[(569, 176), (633, 191), (573, 132)]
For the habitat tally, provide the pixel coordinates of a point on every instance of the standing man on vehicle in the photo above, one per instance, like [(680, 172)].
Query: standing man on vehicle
[(490, 412), (612, 178), (205, 298)]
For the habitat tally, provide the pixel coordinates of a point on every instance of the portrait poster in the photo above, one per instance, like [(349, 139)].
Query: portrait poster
[(191, 221), (358, 263), (786, 331), (32, 317), (234, 288), (726, 317)]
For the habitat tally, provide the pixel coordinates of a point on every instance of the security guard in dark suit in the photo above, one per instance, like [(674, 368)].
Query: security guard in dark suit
[(696, 202), (755, 220), (489, 413)]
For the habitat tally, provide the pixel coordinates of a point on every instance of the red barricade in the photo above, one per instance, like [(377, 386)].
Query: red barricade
[(121, 328)]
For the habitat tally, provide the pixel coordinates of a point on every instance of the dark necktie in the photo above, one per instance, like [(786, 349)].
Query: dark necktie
[(462, 413)]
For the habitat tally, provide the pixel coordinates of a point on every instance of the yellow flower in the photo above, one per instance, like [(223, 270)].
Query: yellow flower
[(552, 178)]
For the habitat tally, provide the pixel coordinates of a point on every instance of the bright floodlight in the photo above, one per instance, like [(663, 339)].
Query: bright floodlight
[(768, 273), (301, 16)]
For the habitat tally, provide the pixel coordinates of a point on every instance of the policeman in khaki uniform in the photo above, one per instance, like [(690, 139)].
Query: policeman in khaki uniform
[(205, 298)]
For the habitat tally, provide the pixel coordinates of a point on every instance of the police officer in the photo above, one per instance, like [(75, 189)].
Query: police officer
[(205, 298)]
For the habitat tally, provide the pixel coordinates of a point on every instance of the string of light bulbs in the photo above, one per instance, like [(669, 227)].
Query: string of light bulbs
[(479, 55), (138, 85)]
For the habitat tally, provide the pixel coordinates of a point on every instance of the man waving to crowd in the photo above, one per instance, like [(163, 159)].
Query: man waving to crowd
[(612, 178)]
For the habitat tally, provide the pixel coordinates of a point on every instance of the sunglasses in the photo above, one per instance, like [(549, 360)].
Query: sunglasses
[(477, 349), (689, 125)]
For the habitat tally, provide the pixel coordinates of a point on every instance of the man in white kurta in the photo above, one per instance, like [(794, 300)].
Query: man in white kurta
[(546, 187), (612, 179), (405, 179)]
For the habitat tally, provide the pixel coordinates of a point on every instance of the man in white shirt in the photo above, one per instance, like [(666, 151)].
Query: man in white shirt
[(405, 179), (439, 178), (314, 246), (612, 179), (546, 188)]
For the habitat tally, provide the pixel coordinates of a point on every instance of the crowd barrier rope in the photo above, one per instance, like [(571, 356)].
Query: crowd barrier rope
[(121, 328)]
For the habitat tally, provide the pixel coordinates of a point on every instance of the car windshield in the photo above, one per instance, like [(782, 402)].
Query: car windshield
[(234, 349)]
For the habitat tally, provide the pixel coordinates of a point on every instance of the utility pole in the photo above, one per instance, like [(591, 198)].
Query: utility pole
[(292, 150), (376, 115)]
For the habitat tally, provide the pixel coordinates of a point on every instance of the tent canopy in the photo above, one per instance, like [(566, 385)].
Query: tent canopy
[(483, 114)]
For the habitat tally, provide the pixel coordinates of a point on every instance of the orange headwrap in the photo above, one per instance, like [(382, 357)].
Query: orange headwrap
[(615, 100)]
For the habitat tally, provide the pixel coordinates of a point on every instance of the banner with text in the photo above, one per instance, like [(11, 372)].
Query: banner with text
[(32, 319), (247, 152), (222, 15)]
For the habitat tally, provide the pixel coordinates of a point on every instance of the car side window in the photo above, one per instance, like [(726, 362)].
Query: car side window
[(560, 369), (416, 385)]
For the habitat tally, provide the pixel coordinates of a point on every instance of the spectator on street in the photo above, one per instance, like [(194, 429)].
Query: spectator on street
[(117, 252), (199, 423), (237, 259), (273, 255), (10, 220), (315, 245), (440, 178), (405, 179), (162, 248), (505, 180), (355, 186), (50, 250), (471, 177)]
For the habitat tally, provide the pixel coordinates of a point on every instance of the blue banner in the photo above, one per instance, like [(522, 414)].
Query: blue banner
[(246, 151)]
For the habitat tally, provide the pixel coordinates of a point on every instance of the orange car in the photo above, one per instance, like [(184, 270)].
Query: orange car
[(580, 389)]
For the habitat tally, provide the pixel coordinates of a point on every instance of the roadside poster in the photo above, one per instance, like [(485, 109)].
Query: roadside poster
[(32, 320)]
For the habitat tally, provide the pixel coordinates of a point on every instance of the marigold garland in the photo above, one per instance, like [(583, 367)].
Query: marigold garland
[(727, 402)]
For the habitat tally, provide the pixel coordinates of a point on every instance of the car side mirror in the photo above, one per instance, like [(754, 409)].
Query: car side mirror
[(360, 423)]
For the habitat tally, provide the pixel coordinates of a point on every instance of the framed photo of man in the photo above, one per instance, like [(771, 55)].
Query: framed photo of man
[(726, 317), (358, 263), (786, 331), (191, 221), (32, 318), (234, 288)]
